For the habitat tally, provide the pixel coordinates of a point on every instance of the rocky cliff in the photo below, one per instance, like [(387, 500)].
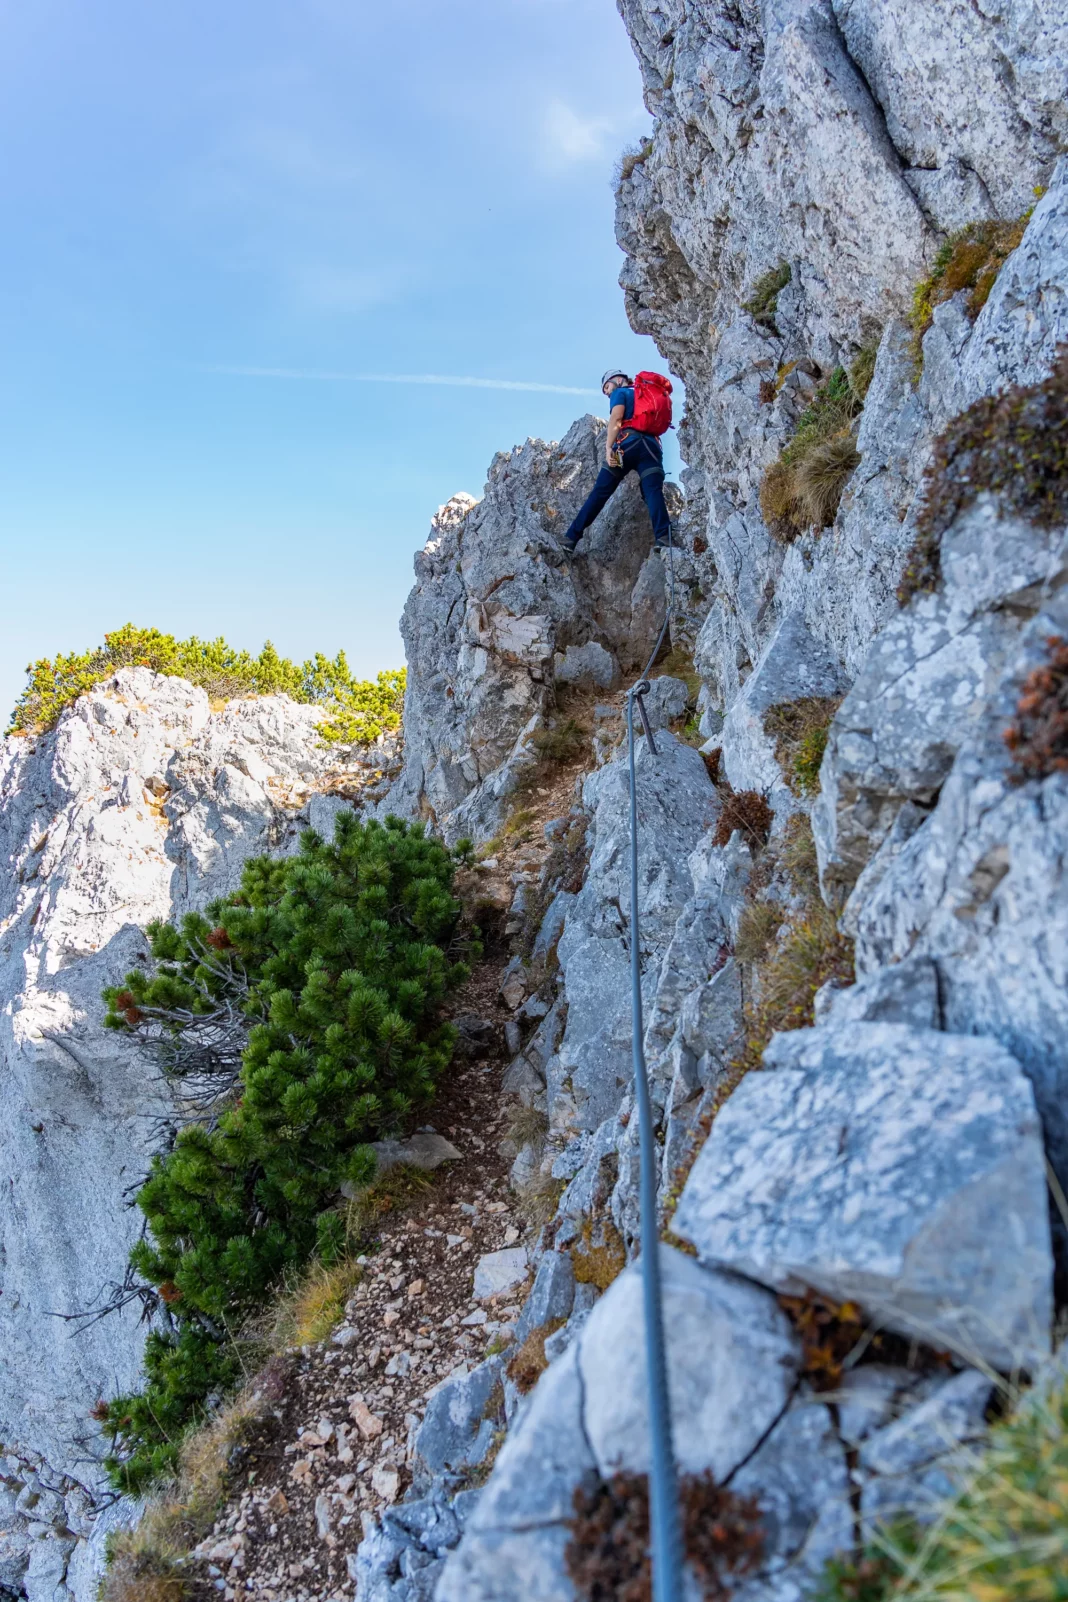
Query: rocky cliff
[(815, 176), (854, 937), (140, 804)]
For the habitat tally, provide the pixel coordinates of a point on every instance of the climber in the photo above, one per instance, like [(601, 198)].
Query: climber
[(640, 412)]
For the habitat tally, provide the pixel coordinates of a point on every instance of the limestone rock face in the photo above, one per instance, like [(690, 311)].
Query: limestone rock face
[(732, 1359), (902, 1169), (592, 1067), (894, 1152), (140, 804)]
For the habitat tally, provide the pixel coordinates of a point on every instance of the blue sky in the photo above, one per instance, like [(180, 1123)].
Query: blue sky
[(312, 186)]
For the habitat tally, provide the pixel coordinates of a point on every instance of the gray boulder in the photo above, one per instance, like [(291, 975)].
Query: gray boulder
[(896, 1167), (586, 667), (677, 804), (916, 1461), (732, 1358), (732, 1361), (460, 1423), (665, 700)]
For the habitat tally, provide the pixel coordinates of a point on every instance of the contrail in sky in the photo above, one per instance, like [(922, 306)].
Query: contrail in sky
[(400, 378)]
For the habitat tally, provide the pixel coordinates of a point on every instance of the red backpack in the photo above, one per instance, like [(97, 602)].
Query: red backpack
[(652, 404)]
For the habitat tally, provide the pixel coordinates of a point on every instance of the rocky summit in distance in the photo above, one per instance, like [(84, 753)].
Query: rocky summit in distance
[(853, 829)]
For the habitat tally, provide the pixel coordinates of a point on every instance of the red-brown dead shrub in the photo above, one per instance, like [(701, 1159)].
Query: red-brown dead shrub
[(712, 760), (748, 812), (608, 1554), (1038, 735), (125, 1003)]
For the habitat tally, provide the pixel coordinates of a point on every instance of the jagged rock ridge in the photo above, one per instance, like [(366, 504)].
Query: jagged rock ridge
[(838, 140)]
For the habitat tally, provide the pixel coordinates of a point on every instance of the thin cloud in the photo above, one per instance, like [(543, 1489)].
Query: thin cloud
[(571, 137), (315, 375)]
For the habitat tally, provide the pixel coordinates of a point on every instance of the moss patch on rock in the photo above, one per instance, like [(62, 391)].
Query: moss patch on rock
[(970, 259), (1013, 445)]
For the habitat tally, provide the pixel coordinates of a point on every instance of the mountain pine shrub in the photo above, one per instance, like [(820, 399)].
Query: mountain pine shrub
[(357, 711), (300, 1018)]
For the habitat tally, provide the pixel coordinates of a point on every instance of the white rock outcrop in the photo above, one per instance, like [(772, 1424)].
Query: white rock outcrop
[(894, 1153), (140, 804)]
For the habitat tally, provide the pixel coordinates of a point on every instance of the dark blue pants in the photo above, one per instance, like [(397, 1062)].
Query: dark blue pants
[(642, 455)]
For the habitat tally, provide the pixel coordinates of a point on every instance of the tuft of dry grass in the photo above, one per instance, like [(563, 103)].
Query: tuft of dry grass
[(146, 1562), (813, 952), (530, 1362), (764, 300), (778, 503), (799, 729), (143, 1577), (1004, 1538), (528, 1126), (821, 476), (759, 924), (803, 488), (310, 1309), (797, 854), (970, 259), (390, 1192), (563, 740), (634, 158), (537, 1202)]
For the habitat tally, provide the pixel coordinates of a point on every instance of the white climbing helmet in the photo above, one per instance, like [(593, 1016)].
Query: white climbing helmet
[(614, 372)]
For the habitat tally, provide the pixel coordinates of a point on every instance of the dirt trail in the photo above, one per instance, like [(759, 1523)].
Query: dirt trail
[(334, 1447)]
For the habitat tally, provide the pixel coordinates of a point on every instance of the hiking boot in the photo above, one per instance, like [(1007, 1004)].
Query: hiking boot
[(569, 547)]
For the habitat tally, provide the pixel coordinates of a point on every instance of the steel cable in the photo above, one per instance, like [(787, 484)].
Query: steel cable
[(663, 1478)]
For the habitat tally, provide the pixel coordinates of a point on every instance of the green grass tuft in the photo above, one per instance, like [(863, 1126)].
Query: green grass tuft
[(763, 302)]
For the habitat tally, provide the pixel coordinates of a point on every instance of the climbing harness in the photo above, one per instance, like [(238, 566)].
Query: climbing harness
[(663, 1479)]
